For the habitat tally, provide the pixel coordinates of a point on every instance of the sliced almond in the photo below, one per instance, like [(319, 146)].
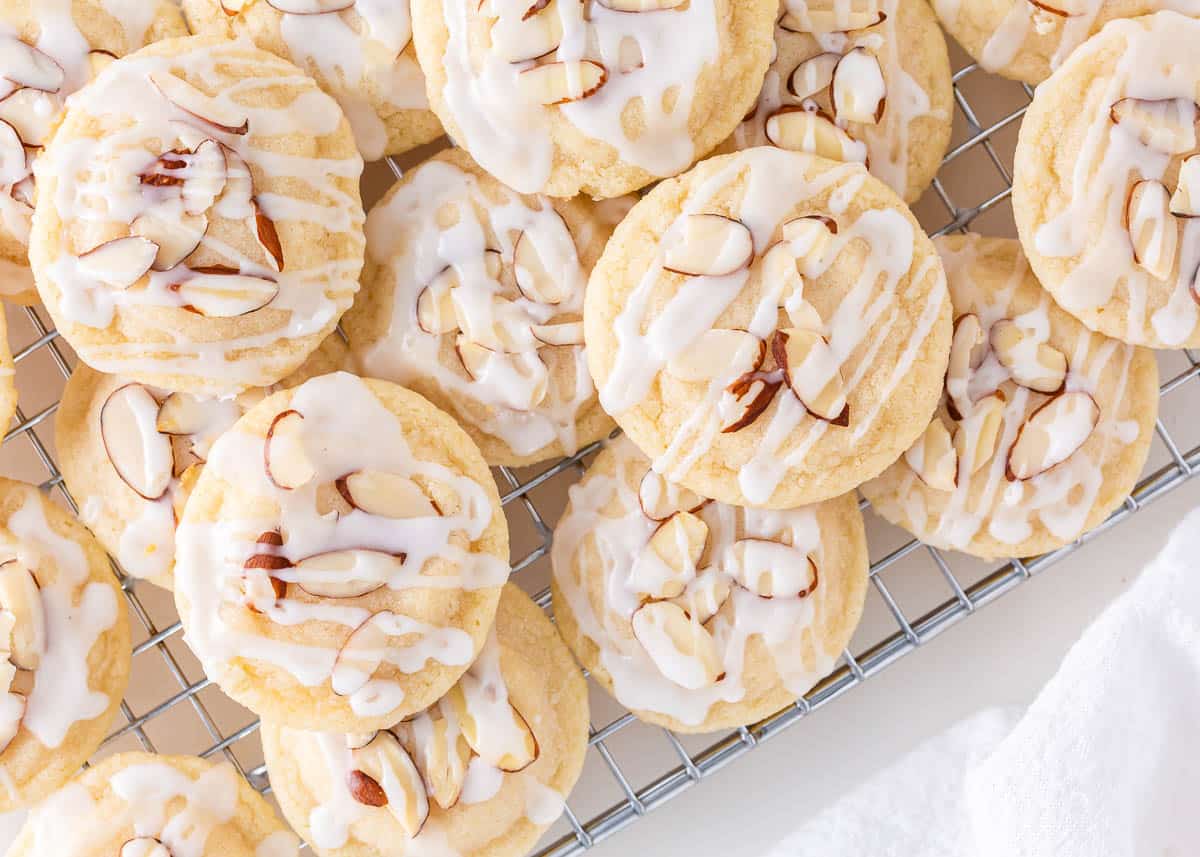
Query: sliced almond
[(668, 561), (859, 91), (1185, 202), (772, 569), (968, 347), (705, 595), (329, 501), (121, 262), (718, 353), (743, 401), (813, 373), (526, 379), (809, 238), (224, 295), (261, 592), (495, 730), (780, 269), (183, 414), (207, 172), (142, 456), (145, 846), (286, 459), (1050, 9), (1052, 434), (176, 237), (641, 5), (561, 82), (977, 432), (440, 752), (813, 75), (25, 65), (532, 36), (709, 245), (386, 763), (360, 656), (933, 459), (189, 99), (346, 573), (800, 130), (307, 7), (680, 647), (1038, 366), (13, 162), (629, 55), (1165, 124), (660, 499), (533, 279), (822, 21), (365, 789), (1153, 232), (32, 113), (21, 596), (268, 237), (389, 495), (98, 61), (435, 307), (562, 334)]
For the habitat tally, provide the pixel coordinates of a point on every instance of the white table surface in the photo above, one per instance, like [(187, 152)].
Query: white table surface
[(1001, 656)]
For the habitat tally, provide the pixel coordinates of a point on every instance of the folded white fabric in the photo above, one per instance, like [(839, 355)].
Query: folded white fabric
[(1105, 763)]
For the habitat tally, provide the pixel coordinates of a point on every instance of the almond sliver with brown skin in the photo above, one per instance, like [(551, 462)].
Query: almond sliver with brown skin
[(1185, 202), (560, 82), (27, 66), (800, 130), (1153, 231), (680, 647), (387, 763), (718, 353), (121, 262), (521, 39), (360, 656), (705, 595), (1166, 124), (496, 731), (139, 453), (1052, 434), (145, 846), (813, 75), (1034, 365), (933, 459), (660, 499), (771, 569), (708, 245), (21, 596), (663, 567), (859, 91), (345, 573), (813, 373)]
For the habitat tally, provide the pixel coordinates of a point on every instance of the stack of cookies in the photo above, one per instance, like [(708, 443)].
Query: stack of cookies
[(683, 219)]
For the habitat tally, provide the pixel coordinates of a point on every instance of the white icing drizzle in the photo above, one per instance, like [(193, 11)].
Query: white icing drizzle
[(361, 48), (61, 695), (605, 522), (510, 134), (867, 316), (405, 235), (1157, 62), (309, 296), (339, 412)]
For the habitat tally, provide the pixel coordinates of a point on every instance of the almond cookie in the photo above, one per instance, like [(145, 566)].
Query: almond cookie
[(696, 615), (771, 328), (145, 805), (130, 455), (591, 96), (481, 772), (65, 646), (359, 51), (1044, 425), (341, 556), (230, 239), (1107, 182), (863, 82), (473, 297), (48, 50)]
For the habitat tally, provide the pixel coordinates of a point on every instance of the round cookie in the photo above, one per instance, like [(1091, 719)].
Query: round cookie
[(360, 52), (1106, 186), (64, 645), (473, 297), (130, 455), (341, 556), (1027, 41), (146, 805), (699, 616), (52, 48), (770, 328), (484, 771), (591, 96), (1044, 426), (232, 236), (870, 85)]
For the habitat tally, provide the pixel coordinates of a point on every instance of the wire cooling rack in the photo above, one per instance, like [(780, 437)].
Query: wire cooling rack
[(172, 708)]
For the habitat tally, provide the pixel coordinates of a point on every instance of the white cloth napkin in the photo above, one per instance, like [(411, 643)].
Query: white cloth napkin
[(1105, 763)]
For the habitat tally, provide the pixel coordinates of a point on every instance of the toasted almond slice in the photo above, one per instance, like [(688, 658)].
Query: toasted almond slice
[(562, 334), (743, 401), (286, 459), (121, 262), (680, 647), (813, 373), (660, 499), (494, 729), (141, 455), (1052, 434), (182, 414), (441, 753), (859, 92), (822, 21), (1038, 366), (813, 76), (21, 596), (360, 656), (32, 113), (534, 35), (218, 113), (144, 846), (801, 130), (560, 82), (1153, 232), (809, 238), (222, 295), (705, 595), (977, 432), (933, 459), (967, 350), (1185, 202), (12, 712), (771, 569), (346, 573), (435, 305), (25, 65), (533, 279), (13, 163), (718, 353), (176, 237), (387, 764), (389, 495), (708, 245), (641, 5), (207, 172), (1166, 124), (98, 61), (668, 561), (267, 236), (308, 7)]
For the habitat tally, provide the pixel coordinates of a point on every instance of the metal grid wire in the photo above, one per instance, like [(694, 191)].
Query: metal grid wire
[(177, 684)]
